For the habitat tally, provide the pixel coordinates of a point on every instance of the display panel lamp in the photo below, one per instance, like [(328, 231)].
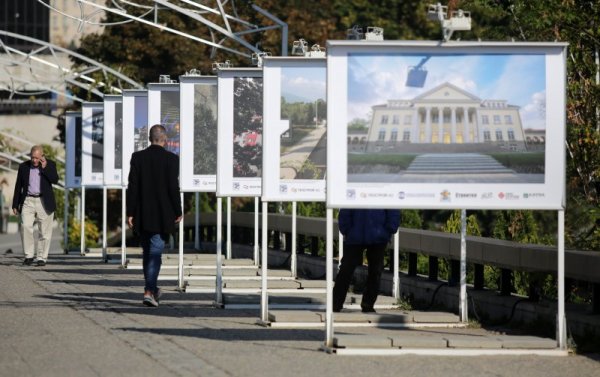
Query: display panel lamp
[(355, 34), (459, 20), (300, 47), (374, 33), (166, 79), (219, 65), (257, 58), (316, 51), (417, 74), (193, 72)]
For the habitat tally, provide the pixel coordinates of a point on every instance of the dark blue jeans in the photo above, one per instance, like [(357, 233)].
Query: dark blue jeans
[(153, 245)]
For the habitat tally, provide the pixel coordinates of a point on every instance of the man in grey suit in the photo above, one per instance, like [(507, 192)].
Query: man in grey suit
[(153, 205)]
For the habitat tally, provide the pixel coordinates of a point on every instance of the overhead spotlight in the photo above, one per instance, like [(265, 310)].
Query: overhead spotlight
[(217, 65), (193, 72), (374, 33), (316, 51), (165, 79), (355, 34), (300, 47), (257, 58)]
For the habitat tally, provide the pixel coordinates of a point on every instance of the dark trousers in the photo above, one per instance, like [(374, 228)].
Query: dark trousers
[(353, 257)]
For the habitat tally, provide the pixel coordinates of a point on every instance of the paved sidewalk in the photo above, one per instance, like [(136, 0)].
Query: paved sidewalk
[(81, 317)]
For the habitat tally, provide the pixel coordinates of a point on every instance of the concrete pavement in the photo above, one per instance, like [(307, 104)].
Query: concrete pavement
[(81, 317)]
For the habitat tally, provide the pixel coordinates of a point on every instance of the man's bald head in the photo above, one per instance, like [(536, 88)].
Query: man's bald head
[(158, 135)]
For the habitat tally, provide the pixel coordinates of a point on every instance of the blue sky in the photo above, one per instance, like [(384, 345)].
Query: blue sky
[(141, 112), (519, 79), (303, 83)]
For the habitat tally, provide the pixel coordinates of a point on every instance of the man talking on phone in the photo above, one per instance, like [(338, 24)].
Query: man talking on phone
[(34, 200)]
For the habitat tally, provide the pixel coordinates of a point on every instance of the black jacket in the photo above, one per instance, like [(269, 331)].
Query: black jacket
[(153, 191), (48, 177)]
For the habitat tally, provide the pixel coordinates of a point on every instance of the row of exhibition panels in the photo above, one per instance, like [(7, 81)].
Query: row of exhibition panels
[(235, 136), (234, 132)]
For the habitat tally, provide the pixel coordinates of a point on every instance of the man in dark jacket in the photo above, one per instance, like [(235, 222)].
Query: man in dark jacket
[(363, 229), (153, 205), (34, 200)]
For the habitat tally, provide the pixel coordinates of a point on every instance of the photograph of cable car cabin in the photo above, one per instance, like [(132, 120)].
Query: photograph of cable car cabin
[(247, 126), (446, 118), (97, 140), (169, 115), (303, 147), (205, 129)]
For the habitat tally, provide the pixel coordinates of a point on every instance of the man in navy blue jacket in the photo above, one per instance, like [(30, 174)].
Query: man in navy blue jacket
[(363, 229)]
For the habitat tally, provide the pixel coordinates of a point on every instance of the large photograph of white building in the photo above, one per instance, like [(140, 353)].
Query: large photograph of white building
[(446, 118)]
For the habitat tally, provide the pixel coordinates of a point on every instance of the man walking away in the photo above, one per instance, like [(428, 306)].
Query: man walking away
[(34, 200), (153, 205)]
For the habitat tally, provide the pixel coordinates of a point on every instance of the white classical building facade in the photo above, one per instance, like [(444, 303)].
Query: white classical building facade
[(446, 114)]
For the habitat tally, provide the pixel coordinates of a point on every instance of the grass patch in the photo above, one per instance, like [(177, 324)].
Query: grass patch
[(526, 162), (401, 161)]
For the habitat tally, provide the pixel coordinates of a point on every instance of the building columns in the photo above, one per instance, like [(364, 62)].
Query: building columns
[(479, 127), (466, 133), (416, 134), (440, 125), (428, 124), (453, 120)]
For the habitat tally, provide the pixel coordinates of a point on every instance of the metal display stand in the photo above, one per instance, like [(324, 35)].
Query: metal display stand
[(82, 223)]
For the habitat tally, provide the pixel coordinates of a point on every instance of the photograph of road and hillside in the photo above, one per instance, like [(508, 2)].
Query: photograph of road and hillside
[(169, 118), (97, 140), (304, 144), (118, 135), (247, 126), (78, 131), (140, 123), (205, 129), (446, 118)]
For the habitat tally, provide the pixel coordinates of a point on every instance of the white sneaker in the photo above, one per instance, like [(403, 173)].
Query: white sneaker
[(150, 301)]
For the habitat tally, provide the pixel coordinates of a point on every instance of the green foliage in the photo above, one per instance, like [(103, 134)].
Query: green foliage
[(205, 130), (453, 224), (358, 124), (411, 218), (303, 113), (92, 234), (519, 226), (151, 52)]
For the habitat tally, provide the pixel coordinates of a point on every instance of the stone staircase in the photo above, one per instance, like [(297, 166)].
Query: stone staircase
[(242, 281), (456, 163)]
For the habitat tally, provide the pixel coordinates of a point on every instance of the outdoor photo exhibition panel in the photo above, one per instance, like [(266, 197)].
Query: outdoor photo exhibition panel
[(135, 127), (73, 149), (113, 140), (295, 154), (430, 126), (198, 160), (163, 108), (240, 136), (92, 139)]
